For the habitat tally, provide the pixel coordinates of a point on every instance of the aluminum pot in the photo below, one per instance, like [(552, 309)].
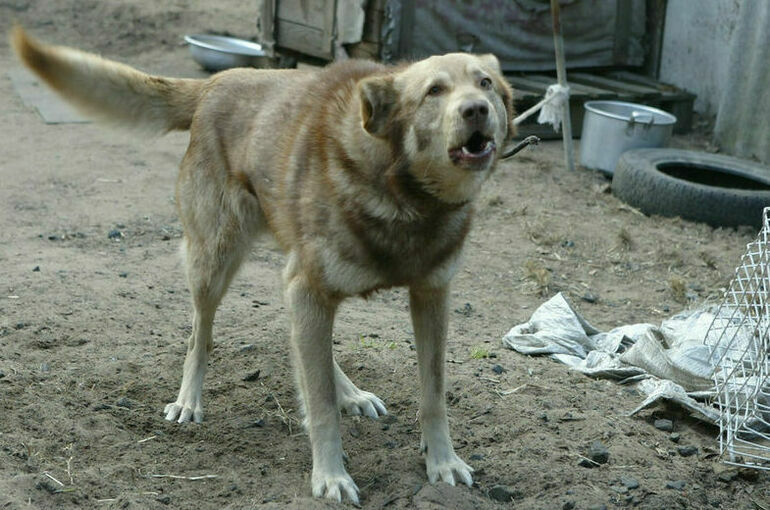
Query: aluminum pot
[(612, 127)]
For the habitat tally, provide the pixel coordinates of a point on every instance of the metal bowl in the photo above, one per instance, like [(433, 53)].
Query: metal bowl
[(216, 52)]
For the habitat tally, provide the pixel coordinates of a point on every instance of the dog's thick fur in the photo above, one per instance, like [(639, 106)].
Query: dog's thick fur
[(366, 176)]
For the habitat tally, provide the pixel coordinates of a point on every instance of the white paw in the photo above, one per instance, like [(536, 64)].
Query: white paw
[(360, 402), (446, 466), (182, 411), (334, 486)]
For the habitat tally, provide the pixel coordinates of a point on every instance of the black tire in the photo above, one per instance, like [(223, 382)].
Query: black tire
[(711, 188)]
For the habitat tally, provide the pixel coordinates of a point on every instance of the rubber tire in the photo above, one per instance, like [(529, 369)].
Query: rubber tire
[(639, 182)]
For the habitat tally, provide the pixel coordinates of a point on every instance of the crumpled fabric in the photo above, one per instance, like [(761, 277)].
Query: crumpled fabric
[(553, 107), (669, 362)]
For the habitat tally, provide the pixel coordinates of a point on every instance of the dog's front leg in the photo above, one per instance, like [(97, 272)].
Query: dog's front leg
[(429, 307), (311, 341)]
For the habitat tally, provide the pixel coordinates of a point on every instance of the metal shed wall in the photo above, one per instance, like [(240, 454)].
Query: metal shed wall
[(743, 120)]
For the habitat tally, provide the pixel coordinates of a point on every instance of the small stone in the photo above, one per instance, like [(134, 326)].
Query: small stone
[(115, 234), (466, 310), (674, 437), (666, 308), (620, 489), (588, 297), (477, 456), (598, 453), (258, 423), (253, 376), (123, 275), (569, 505), (664, 425), (247, 347), (597, 507), (498, 369), (750, 475), (503, 493), (124, 402), (2, 374), (385, 426), (36, 269), (687, 451), (163, 499), (728, 476), (567, 244), (676, 484), (45, 367), (629, 482)]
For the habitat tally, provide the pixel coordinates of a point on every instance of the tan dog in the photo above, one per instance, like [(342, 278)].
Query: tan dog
[(366, 176)]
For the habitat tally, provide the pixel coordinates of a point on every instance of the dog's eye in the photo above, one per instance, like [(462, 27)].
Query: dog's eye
[(486, 83), (435, 90)]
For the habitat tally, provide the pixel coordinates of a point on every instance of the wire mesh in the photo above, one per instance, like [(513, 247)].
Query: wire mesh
[(739, 343)]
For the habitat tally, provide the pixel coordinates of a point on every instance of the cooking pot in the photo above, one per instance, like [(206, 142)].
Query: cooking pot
[(612, 127)]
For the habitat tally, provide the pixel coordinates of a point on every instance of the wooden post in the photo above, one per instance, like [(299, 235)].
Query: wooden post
[(561, 75)]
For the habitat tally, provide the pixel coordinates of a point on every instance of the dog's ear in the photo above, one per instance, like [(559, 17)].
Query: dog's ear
[(378, 100), (503, 87)]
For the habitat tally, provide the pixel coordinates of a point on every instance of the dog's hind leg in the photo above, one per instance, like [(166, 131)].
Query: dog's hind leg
[(355, 401), (218, 220), (209, 275)]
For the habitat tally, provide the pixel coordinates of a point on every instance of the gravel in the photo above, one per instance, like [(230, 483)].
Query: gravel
[(676, 484), (503, 493), (664, 425), (687, 451), (629, 482), (598, 453)]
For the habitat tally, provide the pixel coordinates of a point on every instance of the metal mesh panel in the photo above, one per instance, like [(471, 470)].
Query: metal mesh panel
[(739, 344)]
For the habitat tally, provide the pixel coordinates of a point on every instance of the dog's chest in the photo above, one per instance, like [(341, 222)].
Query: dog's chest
[(378, 254)]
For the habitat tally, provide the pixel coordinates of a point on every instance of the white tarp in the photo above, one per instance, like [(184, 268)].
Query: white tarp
[(668, 362)]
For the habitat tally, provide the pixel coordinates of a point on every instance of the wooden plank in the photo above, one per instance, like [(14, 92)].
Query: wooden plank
[(303, 12), (575, 88), (665, 89), (372, 26), (522, 83), (624, 88), (309, 40)]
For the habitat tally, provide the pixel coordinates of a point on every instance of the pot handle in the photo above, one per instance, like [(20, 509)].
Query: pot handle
[(646, 119)]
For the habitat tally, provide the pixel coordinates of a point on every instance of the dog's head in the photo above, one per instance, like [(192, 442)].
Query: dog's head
[(450, 116)]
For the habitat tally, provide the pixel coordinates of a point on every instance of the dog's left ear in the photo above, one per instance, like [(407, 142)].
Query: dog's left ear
[(378, 100), (502, 86)]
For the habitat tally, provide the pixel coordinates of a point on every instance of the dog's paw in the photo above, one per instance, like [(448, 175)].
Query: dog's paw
[(447, 467), (361, 402), (181, 411), (335, 486)]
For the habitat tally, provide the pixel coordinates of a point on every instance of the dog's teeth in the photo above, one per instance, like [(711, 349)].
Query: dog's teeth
[(465, 150)]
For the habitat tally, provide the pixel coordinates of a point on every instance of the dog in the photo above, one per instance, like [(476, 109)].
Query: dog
[(365, 174)]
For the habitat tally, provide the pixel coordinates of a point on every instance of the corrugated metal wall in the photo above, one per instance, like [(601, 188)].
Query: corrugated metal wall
[(743, 119)]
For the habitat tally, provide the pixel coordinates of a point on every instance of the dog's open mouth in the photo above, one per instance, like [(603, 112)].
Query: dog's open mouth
[(476, 149)]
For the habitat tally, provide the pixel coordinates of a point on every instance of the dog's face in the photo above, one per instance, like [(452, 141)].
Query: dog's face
[(450, 115)]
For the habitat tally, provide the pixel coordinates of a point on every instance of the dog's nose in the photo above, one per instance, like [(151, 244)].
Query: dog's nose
[(474, 111)]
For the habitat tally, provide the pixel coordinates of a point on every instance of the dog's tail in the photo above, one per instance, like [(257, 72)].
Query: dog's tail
[(109, 90)]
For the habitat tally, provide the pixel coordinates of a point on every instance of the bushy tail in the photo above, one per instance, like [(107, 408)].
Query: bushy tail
[(108, 90)]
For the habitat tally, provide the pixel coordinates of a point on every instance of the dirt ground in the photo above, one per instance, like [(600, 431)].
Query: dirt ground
[(94, 315)]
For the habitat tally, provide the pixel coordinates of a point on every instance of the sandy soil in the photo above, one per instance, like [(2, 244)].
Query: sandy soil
[(94, 314)]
